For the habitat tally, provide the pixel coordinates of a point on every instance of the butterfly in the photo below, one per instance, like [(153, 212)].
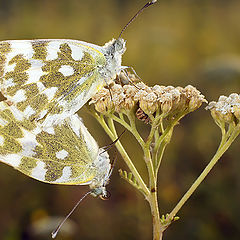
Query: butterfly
[(65, 153), (49, 80)]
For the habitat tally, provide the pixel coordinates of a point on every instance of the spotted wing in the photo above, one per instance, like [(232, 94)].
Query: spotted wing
[(49, 79), (63, 154)]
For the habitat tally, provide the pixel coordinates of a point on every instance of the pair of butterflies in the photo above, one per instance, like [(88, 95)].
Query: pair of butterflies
[(45, 83)]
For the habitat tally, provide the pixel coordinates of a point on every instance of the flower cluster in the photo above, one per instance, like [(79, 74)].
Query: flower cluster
[(226, 109), (167, 100)]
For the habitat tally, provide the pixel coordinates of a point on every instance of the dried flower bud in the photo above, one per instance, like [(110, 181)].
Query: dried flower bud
[(236, 112), (125, 78), (102, 101), (235, 99), (130, 92), (195, 98), (174, 95), (149, 103), (158, 90), (166, 103), (142, 86)]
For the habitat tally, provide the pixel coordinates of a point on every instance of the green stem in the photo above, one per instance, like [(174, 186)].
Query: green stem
[(157, 227), (152, 197), (123, 153), (160, 145), (148, 160), (121, 117), (165, 133), (226, 135), (163, 140), (131, 128), (161, 126), (112, 126), (154, 128), (202, 176), (230, 131), (134, 130), (159, 156)]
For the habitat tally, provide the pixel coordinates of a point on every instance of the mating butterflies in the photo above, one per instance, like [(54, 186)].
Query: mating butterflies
[(65, 153)]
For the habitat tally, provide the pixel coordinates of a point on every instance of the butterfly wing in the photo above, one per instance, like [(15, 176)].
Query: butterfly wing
[(50, 79), (62, 154)]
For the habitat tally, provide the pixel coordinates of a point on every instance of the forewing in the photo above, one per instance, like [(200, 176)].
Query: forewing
[(57, 155), (49, 79)]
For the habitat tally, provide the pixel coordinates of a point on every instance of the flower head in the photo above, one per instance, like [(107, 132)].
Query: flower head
[(166, 100), (226, 109)]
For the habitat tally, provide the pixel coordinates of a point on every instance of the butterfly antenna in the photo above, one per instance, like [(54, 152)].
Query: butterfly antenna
[(55, 232), (106, 148), (135, 16), (126, 75)]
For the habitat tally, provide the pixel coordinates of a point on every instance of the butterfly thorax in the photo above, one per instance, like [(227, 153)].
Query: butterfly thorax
[(114, 50)]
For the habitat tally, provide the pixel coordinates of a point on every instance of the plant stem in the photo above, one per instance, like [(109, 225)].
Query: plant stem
[(131, 128), (157, 228), (152, 197), (159, 157), (154, 128), (164, 134), (204, 173), (122, 151)]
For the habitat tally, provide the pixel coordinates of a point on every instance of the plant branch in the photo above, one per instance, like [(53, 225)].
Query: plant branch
[(111, 133), (131, 128), (204, 173)]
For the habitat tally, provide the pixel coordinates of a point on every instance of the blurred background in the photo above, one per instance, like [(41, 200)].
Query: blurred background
[(172, 43)]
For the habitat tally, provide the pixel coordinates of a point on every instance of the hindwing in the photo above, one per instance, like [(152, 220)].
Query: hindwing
[(63, 154)]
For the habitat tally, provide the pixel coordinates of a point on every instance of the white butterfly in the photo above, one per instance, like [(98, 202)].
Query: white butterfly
[(65, 153), (49, 80)]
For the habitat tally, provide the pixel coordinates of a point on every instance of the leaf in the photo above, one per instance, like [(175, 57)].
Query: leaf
[(128, 176)]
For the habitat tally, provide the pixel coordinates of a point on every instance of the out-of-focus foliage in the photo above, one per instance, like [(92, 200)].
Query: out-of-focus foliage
[(172, 43)]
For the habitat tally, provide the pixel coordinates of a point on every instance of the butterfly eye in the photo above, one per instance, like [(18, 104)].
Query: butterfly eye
[(119, 45), (105, 196)]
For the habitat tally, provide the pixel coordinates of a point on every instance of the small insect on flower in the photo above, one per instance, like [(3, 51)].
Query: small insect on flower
[(142, 116), (51, 79)]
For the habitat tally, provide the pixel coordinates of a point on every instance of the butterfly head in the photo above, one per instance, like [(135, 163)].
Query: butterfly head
[(119, 45), (100, 192), (115, 47)]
